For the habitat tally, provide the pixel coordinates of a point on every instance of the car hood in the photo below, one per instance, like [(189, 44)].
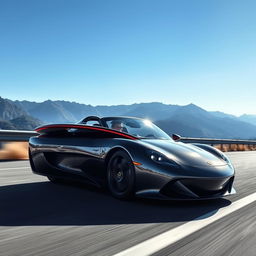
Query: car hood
[(185, 154)]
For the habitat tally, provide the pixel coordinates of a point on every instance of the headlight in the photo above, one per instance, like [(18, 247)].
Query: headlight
[(159, 158), (156, 157)]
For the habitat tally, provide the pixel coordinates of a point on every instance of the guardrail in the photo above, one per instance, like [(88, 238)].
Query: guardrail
[(217, 141), (18, 135), (15, 135)]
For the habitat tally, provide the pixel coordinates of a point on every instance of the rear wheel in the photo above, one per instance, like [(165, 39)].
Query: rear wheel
[(121, 175)]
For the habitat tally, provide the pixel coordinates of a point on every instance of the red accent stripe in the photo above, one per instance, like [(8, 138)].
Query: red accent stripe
[(136, 163), (85, 127)]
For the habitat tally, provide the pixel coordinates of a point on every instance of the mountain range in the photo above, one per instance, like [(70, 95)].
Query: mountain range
[(14, 117), (188, 121)]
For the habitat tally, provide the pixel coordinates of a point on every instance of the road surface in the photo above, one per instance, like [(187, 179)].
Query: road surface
[(41, 218)]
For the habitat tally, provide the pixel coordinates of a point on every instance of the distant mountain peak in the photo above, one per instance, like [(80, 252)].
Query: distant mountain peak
[(8, 110), (14, 117), (192, 108), (248, 115), (248, 118), (191, 104)]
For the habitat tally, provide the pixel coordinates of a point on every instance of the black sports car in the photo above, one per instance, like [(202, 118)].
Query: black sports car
[(131, 156)]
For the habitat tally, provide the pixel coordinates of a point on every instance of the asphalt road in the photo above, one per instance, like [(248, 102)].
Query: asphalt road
[(40, 218)]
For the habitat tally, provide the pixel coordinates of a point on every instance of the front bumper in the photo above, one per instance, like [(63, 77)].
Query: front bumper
[(192, 189)]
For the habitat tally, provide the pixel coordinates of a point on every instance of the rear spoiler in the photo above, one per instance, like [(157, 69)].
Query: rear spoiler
[(63, 128)]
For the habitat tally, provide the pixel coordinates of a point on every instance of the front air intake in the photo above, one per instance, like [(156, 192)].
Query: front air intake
[(197, 188)]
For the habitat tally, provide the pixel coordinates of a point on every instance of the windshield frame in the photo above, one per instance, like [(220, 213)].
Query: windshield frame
[(105, 121)]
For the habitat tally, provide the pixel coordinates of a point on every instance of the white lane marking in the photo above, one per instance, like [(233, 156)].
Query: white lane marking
[(168, 238), (15, 168)]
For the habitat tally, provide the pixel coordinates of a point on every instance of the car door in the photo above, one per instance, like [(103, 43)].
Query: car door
[(80, 155)]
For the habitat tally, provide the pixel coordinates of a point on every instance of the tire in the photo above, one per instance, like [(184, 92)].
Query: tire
[(31, 161), (121, 176)]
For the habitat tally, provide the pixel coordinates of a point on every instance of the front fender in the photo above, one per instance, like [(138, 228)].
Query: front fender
[(211, 150)]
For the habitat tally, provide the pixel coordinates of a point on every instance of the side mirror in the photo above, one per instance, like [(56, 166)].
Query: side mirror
[(176, 137)]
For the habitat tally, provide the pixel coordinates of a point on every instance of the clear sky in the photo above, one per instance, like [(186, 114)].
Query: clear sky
[(105, 52)]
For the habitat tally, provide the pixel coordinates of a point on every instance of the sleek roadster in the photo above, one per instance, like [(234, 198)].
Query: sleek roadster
[(131, 157)]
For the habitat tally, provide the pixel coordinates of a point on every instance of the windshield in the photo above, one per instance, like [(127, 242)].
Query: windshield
[(141, 128)]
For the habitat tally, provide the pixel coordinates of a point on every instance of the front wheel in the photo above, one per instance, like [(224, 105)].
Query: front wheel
[(121, 175)]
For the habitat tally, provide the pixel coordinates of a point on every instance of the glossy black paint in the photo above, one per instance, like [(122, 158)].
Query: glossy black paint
[(186, 171)]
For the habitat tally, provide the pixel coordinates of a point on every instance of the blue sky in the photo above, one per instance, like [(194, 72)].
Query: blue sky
[(105, 52)]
